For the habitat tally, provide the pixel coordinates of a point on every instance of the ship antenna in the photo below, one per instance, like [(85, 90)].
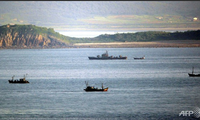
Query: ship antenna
[(86, 83), (25, 76), (192, 70)]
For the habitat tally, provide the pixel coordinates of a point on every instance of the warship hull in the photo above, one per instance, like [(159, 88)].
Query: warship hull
[(105, 56), (108, 58)]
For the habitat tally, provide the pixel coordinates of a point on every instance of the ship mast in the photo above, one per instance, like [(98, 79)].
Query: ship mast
[(25, 76), (86, 83), (13, 77), (106, 52), (192, 70)]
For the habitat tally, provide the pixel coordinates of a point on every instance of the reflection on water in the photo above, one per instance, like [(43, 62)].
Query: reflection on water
[(157, 87)]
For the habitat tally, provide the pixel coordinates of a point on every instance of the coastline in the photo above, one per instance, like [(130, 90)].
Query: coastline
[(153, 44), (163, 43)]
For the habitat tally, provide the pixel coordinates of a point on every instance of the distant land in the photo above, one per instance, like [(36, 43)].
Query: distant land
[(32, 37)]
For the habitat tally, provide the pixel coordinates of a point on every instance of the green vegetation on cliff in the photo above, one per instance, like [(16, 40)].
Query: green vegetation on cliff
[(31, 29), (31, 36), (149, 36)]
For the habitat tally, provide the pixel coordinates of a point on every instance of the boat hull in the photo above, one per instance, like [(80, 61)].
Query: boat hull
[(139, 58), (96, 90), (19, 82), (193, 75), (109, 58)]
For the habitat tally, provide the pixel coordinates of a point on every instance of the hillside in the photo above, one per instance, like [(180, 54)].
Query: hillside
[(31, 36), (150, 36)]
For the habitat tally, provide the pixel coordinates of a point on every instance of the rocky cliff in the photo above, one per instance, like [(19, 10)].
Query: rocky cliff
[(28, 36)]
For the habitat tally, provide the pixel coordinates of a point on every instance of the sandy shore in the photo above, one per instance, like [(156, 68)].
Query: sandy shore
[(169, 43)]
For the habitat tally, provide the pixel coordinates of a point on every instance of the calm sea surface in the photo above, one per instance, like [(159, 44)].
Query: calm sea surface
[(155, 88)]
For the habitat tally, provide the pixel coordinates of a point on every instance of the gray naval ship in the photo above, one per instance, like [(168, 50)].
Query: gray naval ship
[(105, 56)]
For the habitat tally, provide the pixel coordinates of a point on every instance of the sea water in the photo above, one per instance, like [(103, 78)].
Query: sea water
[(155, 88)]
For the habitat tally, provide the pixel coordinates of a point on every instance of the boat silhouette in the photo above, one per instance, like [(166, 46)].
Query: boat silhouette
[(139, 58), (105, 56), (21, 80), (94, 89), (193, 74)]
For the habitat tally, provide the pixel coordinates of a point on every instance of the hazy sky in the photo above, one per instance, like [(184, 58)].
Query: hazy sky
[(78, 18)]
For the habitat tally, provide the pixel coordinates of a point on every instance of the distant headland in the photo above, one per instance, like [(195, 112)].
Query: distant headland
[(35, 37)]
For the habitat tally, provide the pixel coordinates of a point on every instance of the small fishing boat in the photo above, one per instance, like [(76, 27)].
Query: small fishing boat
[(193, 74), (94, 89), (140, 58), (21, 80)]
